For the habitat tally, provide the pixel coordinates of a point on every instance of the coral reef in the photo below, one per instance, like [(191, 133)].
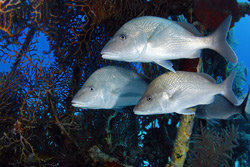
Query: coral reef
[(210, 148), (39, 126)]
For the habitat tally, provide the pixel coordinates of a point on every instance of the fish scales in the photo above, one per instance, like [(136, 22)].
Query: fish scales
[(155, 39), (110, 87), (186, 85), (176, 92)]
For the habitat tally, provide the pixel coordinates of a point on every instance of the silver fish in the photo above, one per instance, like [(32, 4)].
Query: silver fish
[(176, 92), (221, 108), (110, 87), (155, 39)]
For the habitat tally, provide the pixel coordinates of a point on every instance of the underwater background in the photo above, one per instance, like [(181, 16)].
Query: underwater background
[(49, 48)]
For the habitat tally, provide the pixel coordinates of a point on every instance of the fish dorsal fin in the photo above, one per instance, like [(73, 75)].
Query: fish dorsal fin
[(189, 27), (208, 77)]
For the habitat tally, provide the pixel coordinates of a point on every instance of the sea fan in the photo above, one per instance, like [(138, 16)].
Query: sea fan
[(212, 149)]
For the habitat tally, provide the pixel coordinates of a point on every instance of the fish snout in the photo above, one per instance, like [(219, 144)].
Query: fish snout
[(76, 103), (109, 55), (138, 111)]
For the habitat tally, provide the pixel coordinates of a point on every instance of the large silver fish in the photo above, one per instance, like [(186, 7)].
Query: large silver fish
[(221, 108), (176, 92), (155, 39), (110, 87)]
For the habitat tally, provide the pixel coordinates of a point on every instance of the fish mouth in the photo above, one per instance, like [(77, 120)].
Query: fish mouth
[(117, 56), (85, 105), (138, 112), (111, 56), (144, 113), (79, 105), (147, 112)]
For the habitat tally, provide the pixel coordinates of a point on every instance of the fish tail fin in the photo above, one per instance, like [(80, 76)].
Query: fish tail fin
[(227, 88), (219, 43), (242, 107)]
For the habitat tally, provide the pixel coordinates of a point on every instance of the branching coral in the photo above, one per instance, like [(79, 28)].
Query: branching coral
[(38, 124), (10, 15), (212, 149)]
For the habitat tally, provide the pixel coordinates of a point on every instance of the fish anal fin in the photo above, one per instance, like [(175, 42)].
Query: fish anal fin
[(186, 112), (195, 54), (207, 100)]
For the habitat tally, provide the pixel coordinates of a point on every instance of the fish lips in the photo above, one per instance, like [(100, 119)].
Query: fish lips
[(79, 104), (148, 112), (137, 111), (117, 57), (111, 56), (140, 112)]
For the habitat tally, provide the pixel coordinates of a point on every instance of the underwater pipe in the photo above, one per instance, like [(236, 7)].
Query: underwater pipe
[(181, 145)]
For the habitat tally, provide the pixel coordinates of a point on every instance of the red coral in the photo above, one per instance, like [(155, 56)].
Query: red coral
[(212, 12)]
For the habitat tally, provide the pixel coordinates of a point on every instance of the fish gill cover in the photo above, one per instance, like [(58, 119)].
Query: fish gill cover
[(40, 127)]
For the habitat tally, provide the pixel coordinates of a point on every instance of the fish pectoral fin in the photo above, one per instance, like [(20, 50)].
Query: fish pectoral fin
[(186, 112), (116, 91), (166, 64)]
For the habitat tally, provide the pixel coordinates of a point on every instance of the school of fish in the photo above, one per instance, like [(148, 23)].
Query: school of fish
[(158, 40)]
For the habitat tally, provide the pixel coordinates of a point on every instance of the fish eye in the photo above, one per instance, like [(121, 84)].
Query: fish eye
[(122, 37), (149, 98), (91, 89)]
